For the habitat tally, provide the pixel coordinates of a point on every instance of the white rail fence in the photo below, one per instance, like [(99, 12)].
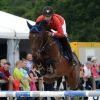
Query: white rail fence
[(49, 93)]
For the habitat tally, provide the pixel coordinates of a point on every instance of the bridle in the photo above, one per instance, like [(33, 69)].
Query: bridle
[(43, 45)]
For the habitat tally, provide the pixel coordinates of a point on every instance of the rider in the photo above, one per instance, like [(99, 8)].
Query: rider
[(58, 30)]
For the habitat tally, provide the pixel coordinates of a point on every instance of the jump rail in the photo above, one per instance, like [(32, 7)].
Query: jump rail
[(49, 93)]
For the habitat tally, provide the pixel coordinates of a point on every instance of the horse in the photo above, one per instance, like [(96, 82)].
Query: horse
[(46, 53)]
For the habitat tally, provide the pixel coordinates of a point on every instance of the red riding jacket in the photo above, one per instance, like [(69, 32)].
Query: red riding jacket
[(56, 24)]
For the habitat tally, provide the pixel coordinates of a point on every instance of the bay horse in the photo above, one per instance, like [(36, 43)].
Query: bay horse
[(45, 50)]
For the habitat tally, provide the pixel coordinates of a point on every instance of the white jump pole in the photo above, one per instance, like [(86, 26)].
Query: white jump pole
[(49, 93)]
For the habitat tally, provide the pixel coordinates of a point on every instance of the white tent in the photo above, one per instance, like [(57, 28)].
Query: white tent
[(13, 28)]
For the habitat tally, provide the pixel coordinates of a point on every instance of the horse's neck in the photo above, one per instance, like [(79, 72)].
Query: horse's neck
[(54, 50)]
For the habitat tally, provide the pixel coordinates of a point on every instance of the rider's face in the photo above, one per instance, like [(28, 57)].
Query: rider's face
[(48, 18)]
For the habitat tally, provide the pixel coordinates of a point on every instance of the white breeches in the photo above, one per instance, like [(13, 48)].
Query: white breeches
[(64, 29)]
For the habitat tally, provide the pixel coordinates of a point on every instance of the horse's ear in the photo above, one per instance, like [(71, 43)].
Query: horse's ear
[(42, 23), (29, 25)]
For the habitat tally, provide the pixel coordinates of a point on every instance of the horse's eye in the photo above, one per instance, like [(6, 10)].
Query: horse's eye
[(33, 35)]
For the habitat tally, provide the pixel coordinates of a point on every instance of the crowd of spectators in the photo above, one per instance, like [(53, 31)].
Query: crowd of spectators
[(25, 76), (89, 75)]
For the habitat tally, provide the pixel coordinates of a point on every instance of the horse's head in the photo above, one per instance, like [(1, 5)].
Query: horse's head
[(37, 37)]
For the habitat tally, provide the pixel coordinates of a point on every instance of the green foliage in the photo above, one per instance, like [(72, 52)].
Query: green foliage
[(82, 16)]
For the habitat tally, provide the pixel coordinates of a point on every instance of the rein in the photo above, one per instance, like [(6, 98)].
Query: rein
[(43, 45)]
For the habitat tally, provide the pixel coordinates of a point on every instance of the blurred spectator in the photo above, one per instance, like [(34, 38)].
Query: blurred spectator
[(4, 72), (21, 75), (2, 62), (87, 76), (87, 70), (34, 75), (95, 67), (81, 77), (95, 71), (82, 71), (29, 62), (26, 78), (17, 74)]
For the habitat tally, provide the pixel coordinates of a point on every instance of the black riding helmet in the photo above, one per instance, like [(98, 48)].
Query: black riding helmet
[(48, 11)]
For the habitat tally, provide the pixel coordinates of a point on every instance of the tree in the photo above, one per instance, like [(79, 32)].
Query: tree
[(82, 16)]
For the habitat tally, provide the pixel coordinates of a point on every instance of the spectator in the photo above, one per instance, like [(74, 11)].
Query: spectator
[(2, 62), (26, 78), (82, 71), (95, 67), (34, 75), (5, 76), (17, 74), (21, 75), (88, 76), (29, 62), (95, 73), (81, 82)]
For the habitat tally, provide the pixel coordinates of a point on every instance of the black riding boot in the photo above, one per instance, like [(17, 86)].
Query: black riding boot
[(67, 49)]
